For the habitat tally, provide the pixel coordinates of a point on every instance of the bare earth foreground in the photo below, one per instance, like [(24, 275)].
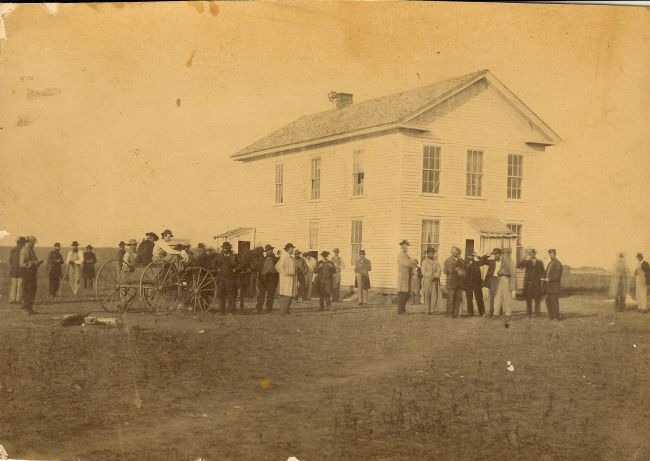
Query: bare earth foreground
[(352, 383)]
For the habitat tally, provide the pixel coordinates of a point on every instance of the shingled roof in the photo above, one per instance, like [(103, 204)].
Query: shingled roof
[(385, 111)]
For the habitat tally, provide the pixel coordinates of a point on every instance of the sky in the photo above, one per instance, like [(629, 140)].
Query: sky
[(118, 119)]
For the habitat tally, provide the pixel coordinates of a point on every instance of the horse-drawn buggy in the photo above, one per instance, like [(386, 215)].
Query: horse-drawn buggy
[(164, 285)]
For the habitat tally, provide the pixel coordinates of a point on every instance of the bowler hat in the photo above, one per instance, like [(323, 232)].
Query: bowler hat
[(533, 251), (268, 247), (167, 232), (74, 243), (431, 250), (404, 242), (289, 245), (324, 253), (132, 242), (121, 243)]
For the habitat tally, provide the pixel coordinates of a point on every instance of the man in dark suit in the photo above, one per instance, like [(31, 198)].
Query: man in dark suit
[(54, 263), (532, 282), (474, 284), (267, 282), (552, 279), (226, 262), (491, 281), (455, 271)]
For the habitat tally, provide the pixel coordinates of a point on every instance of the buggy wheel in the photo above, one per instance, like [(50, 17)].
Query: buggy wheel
[(110, 286), (199, 289), (160, 287)]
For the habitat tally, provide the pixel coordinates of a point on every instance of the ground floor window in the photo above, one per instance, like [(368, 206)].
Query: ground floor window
[(519, 249), (430, 236), (313, 235)]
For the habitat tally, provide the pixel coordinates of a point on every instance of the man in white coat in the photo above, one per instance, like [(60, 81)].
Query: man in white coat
[(75, 261), (286, 268)]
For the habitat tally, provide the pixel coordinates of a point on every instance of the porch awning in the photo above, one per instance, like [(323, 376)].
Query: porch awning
[(235, 233), (489, 226)]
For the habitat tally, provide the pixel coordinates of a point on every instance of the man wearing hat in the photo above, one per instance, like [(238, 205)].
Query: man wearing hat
[(15, 273), (29, 264), (53, 267), (301, 275), (226, 265), (163, 249), (505, 274), (267, 282), (552, 279), (491, 281), (325, 270), (431, 273), (338, 263), (89, 267), (455, 270), (404, 269), (362, 277), (145, 249), (287, 279), (474, 286), (532, 282), (74, 261)]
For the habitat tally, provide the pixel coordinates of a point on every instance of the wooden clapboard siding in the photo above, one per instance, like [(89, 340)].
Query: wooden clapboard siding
[(477, 118), (337, 207)]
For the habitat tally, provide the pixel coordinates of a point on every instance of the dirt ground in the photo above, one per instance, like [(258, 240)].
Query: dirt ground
[(353, 383)]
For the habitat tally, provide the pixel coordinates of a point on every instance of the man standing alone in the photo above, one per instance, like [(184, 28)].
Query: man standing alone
[(54, 263), (75, 262), (15, 273), (362, 277), (532, 282), (431, 280), (29, 265), (553, 277), (404, 267)]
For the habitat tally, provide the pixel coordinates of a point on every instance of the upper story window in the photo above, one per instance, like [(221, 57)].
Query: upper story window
[(358, 175), (474, 173), (431, 170), (315, 178), (279, 183), (515, 175)]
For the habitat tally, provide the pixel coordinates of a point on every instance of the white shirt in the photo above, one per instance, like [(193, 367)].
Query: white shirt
[(76, 258), (497, 268), (162, 245)]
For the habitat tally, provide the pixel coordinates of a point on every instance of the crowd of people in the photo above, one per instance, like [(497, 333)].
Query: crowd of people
[(280, 277)]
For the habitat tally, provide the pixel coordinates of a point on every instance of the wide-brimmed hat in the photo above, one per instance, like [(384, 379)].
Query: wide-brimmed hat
[(324, 253), (121, 244), (132, 242), (289, 245), (268, 247), (404, 242), (167, 232), (74, 243)]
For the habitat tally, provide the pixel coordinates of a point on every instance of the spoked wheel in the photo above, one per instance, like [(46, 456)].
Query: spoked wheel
[(114, 292), (160, 287), (199, 289)]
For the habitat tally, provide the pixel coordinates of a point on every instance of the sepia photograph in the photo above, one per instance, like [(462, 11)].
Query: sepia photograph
[(328, 230)]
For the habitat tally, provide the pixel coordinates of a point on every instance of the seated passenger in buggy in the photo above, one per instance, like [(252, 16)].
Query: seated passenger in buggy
[(163, 250), (145, 250)]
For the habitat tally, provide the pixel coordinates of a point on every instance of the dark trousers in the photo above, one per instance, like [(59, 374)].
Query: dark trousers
[(325, 294), (454, 299), (475, 292), (619, 303), (266, 286), (29, 289), (244, 282), (55, 283), (402, 298), (301, 291), (538, 304), (227, 289), (88, 282), (553, 306)]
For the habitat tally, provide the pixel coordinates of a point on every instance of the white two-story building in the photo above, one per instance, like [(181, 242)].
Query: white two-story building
[(457, 162)]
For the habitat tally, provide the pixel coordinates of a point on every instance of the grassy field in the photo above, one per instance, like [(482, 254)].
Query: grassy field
[(349, 384)]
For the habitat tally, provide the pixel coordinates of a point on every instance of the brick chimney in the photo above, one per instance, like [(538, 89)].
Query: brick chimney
[(343, 100)]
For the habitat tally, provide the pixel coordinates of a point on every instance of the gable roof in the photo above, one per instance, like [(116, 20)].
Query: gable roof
[(380, 114)]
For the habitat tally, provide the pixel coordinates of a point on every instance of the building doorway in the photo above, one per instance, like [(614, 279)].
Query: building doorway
[(469, 248)]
